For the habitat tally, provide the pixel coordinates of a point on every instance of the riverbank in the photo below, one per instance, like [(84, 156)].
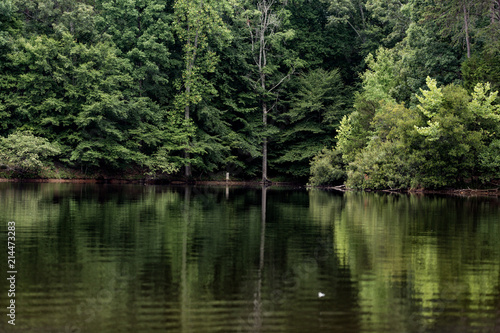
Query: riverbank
[(468, 192), (146, 181), (61, 174)]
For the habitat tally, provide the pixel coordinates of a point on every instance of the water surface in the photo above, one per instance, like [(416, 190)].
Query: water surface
[(132, 258)]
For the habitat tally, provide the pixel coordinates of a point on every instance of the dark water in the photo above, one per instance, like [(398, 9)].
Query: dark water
[(101, 258)]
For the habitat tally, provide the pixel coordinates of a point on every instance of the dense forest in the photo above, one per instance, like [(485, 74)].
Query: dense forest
[(376, 94)]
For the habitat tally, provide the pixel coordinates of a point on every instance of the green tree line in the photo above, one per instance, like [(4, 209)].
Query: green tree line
[(263, 89)]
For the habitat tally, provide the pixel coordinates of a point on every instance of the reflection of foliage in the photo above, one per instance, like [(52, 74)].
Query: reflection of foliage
[(439, 248), (386, 260)]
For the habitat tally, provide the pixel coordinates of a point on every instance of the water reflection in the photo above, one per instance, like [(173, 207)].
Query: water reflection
[(100, 258), (258, 314), (431, 263)]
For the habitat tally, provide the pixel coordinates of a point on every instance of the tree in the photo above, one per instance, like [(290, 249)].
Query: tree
[(448, 139), (370, 30), (76, 17), (265, 27), (452, 137), (8, 20), (312, 120), (320, 45), (352, 12), (388, 160), (394, 13), (457, 18), (484, 66), (355, 129), (380, 80), (84, 98), (227, 123), (398, 73), (142, 31), (196, 22), (491, 32)]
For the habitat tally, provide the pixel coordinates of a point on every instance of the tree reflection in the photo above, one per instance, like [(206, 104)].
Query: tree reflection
[(257, 312), (186, 212)]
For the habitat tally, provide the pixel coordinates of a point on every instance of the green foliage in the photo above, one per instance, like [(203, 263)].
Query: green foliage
[(321, 45), (154, 85), (394, 121), (196, 22), (457, 19), (352, 13), (398, 73), (315, 112), (489, 159), (321, 98), (456, 132), (379, 80), (8, 20), (424, 54), (142, 31), (26, 154), (449, 138), (84, 97), (483, 67), (199, 25), (354, 130), (68, 85), (387, 161), (383, 165), (327, 168), (368, 20), (46, 17), (393, 13)]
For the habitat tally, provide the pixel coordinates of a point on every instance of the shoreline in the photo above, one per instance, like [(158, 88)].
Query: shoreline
[(468, 192), (146, 181), (463, 192)]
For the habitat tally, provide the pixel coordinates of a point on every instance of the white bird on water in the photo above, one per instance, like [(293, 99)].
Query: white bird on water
[(320, 294)]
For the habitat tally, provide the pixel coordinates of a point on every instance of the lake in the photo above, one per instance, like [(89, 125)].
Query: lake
[(135, 258)]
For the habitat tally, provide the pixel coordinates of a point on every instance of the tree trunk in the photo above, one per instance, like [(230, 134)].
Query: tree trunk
[(495, 11), (264, 144), (186, 151), (262, 64), (466, 28), (263, 30), (189, 70), (492, 12)]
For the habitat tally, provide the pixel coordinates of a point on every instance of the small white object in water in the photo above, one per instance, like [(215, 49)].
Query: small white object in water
[(320, 294)]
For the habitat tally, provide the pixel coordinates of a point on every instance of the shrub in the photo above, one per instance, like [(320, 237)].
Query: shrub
[(327, 168), (25, 153)]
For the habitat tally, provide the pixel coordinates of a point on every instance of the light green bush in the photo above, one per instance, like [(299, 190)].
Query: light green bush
[(25, 153), (327, 168)]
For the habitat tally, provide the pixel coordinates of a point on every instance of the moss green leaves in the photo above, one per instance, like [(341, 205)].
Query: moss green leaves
[(26, 154)]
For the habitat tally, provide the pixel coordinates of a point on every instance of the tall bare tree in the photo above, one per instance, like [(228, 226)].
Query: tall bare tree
[(264, 24)]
